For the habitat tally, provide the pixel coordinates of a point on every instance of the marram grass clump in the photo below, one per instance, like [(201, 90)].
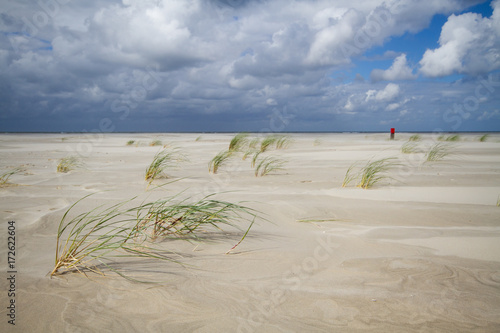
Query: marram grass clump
[(218, 161), (93, 241), (168, 157), (5, 176), (275, 141), (155, 143), (267, 165), (371, 174), (415, 137), (484, 137), (66, 164), (238, 142), (450, 138), (438, 152), (410, 147)]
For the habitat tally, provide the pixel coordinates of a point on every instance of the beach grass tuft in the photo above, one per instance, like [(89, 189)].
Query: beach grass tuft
[(371, 174), (89, 241), (89, 238), (130, 142), (484, 137), (68, 163), (184, 219), (218, 161), (254, 143), (268, 142), (254, 158), (450, 138), (155, 143), (268, 165), (376, 171), (248, 153), (438, 151), (283, 142), (350, 175), (5, 176), (163, 159), (410, 147), (238, 142), (415, 137)]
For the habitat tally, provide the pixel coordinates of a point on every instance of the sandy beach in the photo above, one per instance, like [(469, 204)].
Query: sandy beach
[(418, 252)]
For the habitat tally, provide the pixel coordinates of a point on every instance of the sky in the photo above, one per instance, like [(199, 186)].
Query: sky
[(242, 65)]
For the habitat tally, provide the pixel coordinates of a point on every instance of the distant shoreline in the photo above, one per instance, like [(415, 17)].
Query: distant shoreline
[(250, 132)]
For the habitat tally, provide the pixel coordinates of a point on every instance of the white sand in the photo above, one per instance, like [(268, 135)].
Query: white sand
[(417, 253)]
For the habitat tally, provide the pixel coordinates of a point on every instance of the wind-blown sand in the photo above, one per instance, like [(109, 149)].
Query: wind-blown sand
[(420, 252)]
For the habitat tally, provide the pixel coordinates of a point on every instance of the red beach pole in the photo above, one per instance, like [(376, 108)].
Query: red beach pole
[(393, 130)]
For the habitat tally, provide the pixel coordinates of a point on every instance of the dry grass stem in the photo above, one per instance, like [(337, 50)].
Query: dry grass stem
[(4, 177), (238, 142), (438, 151), (410, 147), (218, 161), (371, 174), (68, 163), (165, 158), (268, 165)]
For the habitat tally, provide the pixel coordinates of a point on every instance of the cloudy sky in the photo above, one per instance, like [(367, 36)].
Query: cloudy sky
[(249, 65)]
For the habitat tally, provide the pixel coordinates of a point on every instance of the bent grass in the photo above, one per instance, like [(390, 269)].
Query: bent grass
[(4, 177), (410, 147), (238, 142), (254, 143), (162, 160), (278, 141), (450, 138), (268, 165), (438, 151), (155, 143), (415, 137), (254, 158), (267, 142), (371, 174), (484, 137), (68, 163), (218, 161), (283, 142), (90, 240), (164, 218), (90, 237)]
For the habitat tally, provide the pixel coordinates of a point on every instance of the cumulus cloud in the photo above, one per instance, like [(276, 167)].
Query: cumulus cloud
[(389, 93), (398, 71), (469, 44)]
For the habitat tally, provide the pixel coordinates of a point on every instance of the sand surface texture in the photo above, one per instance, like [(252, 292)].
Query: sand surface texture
[(416, 253)]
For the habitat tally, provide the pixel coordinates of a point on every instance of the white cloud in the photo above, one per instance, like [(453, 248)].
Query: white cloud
[(398, 71), (469, 44), (488, 115), (349, 106), (271, 101), (392, 106), (389, 93)]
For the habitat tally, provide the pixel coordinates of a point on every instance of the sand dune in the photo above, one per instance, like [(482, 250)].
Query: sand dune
[(416, 253)]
